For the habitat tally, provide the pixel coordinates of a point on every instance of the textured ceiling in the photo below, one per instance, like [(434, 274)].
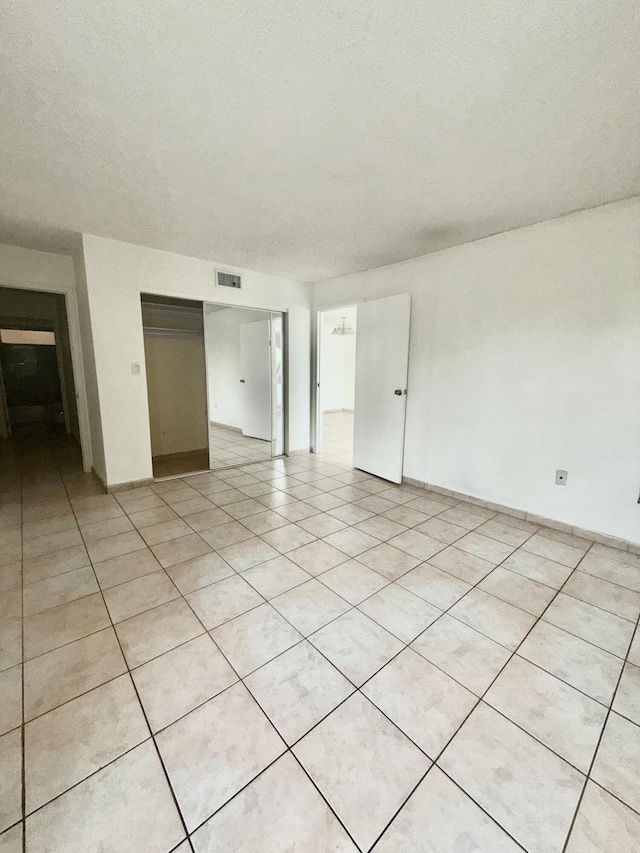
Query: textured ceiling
[(313, 138)]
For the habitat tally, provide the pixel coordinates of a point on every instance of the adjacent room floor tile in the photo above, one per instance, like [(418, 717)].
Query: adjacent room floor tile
[(250, 640), (426, 703), (363, 765), (618, 759), (283, 799), (356, 645), (578, 663), (562, 718), (126, 807), (527, 789), (206, 772), (74, 740), (297, 689), (176, 682), (440, 818), (468, 656), (401, 612)]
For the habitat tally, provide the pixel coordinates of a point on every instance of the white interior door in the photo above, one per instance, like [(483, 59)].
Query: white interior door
[(255, 360), (382, 363)]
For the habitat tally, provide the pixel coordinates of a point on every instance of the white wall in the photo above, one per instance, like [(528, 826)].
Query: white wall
[(338, 358), (525, 358), (224, 368), (116, 274)]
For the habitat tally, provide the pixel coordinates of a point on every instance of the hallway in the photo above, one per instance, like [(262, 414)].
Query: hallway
[(296, 655)]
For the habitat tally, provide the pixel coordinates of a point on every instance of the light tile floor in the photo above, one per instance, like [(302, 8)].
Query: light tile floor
[(295, 656), (227, 447), (338, 435)]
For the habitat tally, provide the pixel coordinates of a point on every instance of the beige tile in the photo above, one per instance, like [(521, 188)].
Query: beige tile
[(323, 502), (424, 702), (493, 617), (496, 529), (603, 823), (125, 568), (243, 509), (582, 665), (381, 527), (287, 538), (297, 689), (627, 557), (52, 542), (611, 570), (153, 515), (551, 550), (353, 581), (616, 599), (165, 531), (463, 515), (263, 522), (322, 524), (518, 590), (199, 572), (363, 765), (45, 594), (178, 681), (525, 787), (46, 526), (617, 760), (565, 720), (438, 528), (283, 799), (10, 778), (388, 561), (126, 807), (401, 612), (296, 511), (184, 493), (603, 629), (150, 634), (468, 656), (224, 535), (223, 600), (351, 541), (356, 645), (66, 672), (47, 566), (10, 576), (11, 701), (10, 644), (245, 555), (417, 544), (206, 772), (309, 606), (133, 597), (375, 504), (275, 576), (11, 605), (440, 818), (438, 588), (11, 840), (254, 638), (431, 504), (484, 547), (350, 514), (64, 624), (317, 557), (102, 529), (114, 546), (466, 567), (74, 740), (180, 550), (141, 503), (193, 506), (627, 698)]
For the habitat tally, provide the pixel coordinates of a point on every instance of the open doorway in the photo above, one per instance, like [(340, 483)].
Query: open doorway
[(337, 332), (37, 387)]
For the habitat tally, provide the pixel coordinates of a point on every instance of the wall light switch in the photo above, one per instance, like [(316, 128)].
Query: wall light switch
[(135, 368), (561, 477)]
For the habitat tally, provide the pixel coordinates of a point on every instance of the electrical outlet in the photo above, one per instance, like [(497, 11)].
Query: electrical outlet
[(561, 477)]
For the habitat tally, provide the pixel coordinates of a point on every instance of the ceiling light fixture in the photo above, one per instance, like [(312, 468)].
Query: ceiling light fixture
[(343, 328)]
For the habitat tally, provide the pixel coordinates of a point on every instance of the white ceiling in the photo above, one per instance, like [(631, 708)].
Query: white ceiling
[(313, 138)]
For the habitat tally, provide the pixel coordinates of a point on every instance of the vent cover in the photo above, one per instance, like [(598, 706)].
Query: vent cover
[(227, 279)]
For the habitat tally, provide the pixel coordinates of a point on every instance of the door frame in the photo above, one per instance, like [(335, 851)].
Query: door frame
[(316, 349), (77, 362)]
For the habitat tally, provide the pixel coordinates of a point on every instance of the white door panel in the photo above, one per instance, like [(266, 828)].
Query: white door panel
[(255, 358), (382, 363)]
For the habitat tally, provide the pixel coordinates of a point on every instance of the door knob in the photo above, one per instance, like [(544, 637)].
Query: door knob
[(398, 392), (242, 380)]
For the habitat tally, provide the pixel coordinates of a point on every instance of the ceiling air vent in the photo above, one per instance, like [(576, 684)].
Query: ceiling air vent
[(227, 279)]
